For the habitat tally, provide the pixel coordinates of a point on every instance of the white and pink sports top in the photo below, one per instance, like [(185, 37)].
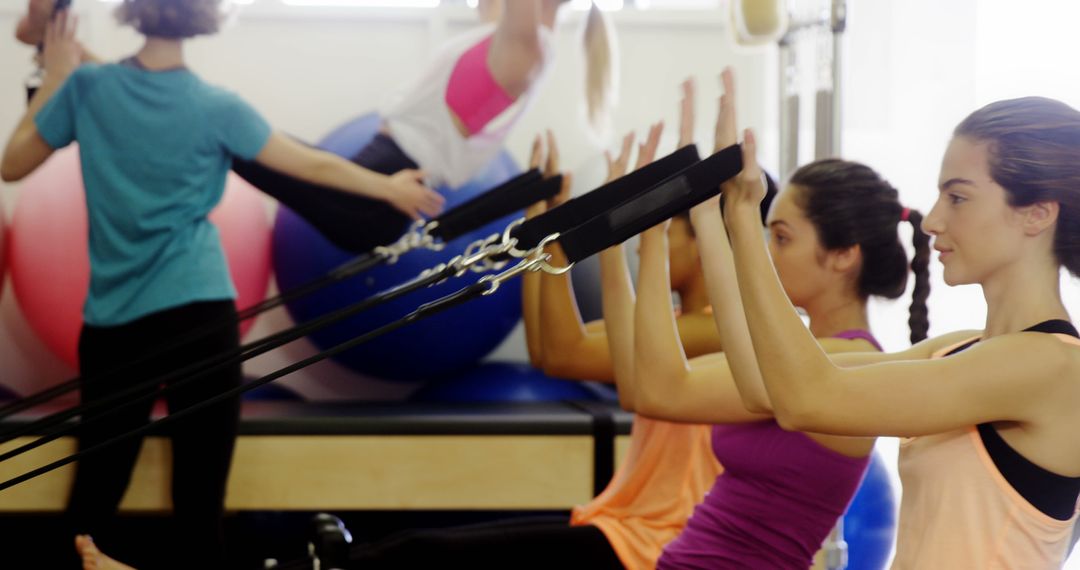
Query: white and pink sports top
[(422, 124)]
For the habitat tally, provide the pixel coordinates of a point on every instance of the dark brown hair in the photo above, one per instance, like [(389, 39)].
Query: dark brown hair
[(850, 204), (1034, 145)]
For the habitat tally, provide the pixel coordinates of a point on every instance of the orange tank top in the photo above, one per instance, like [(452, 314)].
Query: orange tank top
[(959, 511), (666, 472)]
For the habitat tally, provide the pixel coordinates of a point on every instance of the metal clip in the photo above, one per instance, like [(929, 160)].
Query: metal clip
[(418, 236), (427, 240), (478, 252), (535, 260), (531, 264), (544, 257)]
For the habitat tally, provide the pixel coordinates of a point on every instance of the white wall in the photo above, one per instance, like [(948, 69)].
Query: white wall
[(914, 69), (310, 69)]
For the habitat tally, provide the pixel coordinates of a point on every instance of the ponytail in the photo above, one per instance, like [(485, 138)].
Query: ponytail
[(918, 317), (601, 73)]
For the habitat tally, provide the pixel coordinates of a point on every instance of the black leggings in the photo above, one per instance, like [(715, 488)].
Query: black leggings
[(523, 544), (202, 444), (351, 222)]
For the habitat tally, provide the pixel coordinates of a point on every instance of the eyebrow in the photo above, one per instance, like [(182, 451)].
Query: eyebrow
[(953, 182), (779, 223)]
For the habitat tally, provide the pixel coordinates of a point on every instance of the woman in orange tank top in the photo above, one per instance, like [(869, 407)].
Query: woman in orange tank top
[(992, 470)]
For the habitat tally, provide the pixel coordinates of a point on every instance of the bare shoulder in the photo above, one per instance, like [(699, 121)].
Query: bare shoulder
[(859, 352)]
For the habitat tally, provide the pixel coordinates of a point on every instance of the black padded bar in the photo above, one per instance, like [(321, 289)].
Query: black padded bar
[(677, 193), (587, 206), (509, 197)]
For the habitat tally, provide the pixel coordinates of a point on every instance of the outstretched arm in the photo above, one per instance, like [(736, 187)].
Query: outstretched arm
[(719, 268), (616, 286), (1023, 377), (572, 348), (669, 387), (404, 190)]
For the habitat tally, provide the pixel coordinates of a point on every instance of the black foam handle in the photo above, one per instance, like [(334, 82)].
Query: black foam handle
[(587, 206), (511, 196), (677, 193)]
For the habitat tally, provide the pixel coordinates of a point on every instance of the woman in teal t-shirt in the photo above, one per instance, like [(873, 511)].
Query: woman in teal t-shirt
[(156, 143)]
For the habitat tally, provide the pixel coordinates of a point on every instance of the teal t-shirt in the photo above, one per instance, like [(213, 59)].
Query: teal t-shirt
[(155, 149)]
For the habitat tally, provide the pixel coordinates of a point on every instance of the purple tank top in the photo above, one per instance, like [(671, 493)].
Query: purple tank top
[(779, 496)]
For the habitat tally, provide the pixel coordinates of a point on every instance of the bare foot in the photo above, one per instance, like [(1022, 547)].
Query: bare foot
[(93, 559)]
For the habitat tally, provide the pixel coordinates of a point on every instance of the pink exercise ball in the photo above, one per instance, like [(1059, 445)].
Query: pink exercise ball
[(3, 247), (50, 264)]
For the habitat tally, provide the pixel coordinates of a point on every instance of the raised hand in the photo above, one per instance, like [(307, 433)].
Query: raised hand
[(647, 149), (536, 153), (749, 185), (551, 168), (617, 167), (726, 133), (62, 53), (724, 136), (686, 113)]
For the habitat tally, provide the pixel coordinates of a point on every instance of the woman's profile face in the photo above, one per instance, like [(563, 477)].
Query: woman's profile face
[(795, 249), (975, 231)]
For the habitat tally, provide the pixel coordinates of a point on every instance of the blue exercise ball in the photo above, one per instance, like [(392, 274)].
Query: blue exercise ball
[(439, 346), (870, 521), (503, 382)]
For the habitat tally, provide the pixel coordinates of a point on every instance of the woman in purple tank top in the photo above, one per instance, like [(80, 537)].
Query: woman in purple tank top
[(834, 242)]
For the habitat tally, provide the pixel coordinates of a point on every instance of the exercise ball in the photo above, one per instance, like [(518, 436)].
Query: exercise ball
[(3, 247), (50, 263), (870, 520), (442, 345), (503, 382), (272, 392)]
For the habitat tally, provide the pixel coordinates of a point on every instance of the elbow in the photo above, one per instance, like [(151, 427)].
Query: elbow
[(757, 407), (794, 418), (651, 407), (554, 365), (9, 173), (627, 399)]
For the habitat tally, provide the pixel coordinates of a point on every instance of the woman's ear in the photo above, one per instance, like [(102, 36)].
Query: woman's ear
[(846, 259), (1039, 217)]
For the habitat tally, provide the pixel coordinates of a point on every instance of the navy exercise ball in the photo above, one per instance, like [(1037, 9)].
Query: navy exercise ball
[(504, 382), (439, 346)]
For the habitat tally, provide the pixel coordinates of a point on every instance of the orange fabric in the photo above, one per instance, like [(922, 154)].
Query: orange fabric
[(958, 511), (667, 471)]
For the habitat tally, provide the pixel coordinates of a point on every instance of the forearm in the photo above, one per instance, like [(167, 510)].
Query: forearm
[(660, 362), (530, 303), (569, 348), (722, 288), (335, 172), (18, 157), (794, 369), (530, 314), (618, 309)]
